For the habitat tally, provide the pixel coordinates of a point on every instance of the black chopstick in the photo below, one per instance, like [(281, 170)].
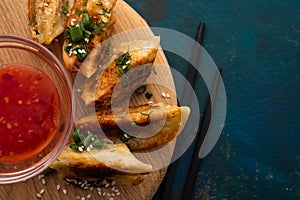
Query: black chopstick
[(203, 127), (166, 187)]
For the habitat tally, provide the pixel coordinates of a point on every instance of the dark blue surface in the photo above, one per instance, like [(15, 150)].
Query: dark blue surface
[(257, 43)]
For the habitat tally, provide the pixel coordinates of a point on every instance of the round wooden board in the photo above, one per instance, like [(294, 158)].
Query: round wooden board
[(15, 21)]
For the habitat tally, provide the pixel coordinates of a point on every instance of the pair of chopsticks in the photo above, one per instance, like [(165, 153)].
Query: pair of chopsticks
[(203, 127)]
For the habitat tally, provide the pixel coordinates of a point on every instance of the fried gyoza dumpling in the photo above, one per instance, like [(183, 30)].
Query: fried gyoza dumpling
[(129, 65), (89, 23), (48, 18), (111, 162), (167, 121)]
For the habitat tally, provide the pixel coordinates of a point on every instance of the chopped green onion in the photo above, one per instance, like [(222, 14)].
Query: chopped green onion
[(86, 20), (74, 146), (98, 144), (141, 89), (88, 34), (81, 56), (76, 34), (123, 138), (88, 140), (148, 95), (76, 136), (122, 60), (78, 12), (32, 21), (67, 48), (48, 171)]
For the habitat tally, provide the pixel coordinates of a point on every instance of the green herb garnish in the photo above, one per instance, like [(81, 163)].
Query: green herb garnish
[(141, 89), (81, 142), (99, 3), (48, 171), (78, 12), (123, 64), (148, 115), (85, 3), (32, 21), (65, 9), (148, 95)]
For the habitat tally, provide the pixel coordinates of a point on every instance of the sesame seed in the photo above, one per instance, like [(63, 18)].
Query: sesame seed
[(6, 99), (82, 198), (75, 52), (80, 149), (57, 187), (98, 189), (38, 195), (104, 193), (46, 5), (65, 191), (56, 40), (127, 62), (163, 94), (118, 194), (43, 181), (42, 191), (116, 191), (113, 188), (8, 126), (77, 197), (41, 176), (99, 192), (168, 96), (113, 183), (86, 40), (124, 67), (111, 198), (88, 149), (88, 196)]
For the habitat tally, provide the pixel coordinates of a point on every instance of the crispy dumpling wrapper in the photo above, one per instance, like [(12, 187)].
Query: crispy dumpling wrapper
[(104, 77), (114, 162), (47, 19), (101, 15), (162, 123)]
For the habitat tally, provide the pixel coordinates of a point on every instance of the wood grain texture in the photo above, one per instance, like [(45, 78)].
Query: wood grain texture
[(15, 21)]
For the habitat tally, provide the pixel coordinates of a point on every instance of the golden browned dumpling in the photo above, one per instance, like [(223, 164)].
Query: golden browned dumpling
[(88, 24), (168, 121), (130, 62), (110, 162), (48, 18)]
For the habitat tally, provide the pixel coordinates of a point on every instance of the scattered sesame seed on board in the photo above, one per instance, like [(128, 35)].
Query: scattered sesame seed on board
[(42, 191), (64, 191), (38, 195)]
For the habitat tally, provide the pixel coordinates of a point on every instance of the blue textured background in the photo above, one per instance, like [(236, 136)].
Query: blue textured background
[(257, 43)]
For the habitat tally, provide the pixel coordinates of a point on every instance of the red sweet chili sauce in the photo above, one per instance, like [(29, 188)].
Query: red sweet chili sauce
[(29, 112)]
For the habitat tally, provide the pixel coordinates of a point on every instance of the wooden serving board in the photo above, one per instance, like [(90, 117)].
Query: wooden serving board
[(14, 20)]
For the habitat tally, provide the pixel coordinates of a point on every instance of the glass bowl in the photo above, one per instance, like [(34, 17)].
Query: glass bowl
[(32, 78)]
